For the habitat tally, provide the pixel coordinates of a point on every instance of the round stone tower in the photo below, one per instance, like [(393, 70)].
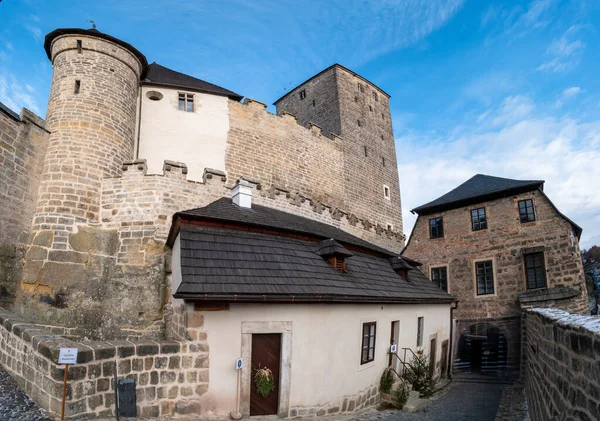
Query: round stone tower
[(91, 116), (92, 119)]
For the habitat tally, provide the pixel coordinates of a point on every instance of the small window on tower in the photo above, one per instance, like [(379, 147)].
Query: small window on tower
[(303, 94), (355, 99), (366, 151), (361, 88), (314, 103), (390, 227), (358, 122), (77, 86), (79, 46), (382, 116), (375, 97), (371, 108), (383, 161), (381, 137), (186, 102), (386, 192)]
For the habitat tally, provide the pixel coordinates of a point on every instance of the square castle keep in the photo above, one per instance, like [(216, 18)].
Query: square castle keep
[(88, 195)]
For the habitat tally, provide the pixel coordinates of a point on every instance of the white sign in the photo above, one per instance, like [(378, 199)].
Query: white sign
[(67, 356), (239, 363), (393, 348)]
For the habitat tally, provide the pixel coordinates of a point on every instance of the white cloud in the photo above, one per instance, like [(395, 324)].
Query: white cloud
[(560, 150), (512, 109), (16, 95), (567, 95), (34, 31), (566, 52)]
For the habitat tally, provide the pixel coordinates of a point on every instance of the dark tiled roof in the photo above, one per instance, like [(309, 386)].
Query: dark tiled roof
[(332, 248), (478, 188), (94, 33), (160, 75), (233, 265), (225, 210), (9, 112)]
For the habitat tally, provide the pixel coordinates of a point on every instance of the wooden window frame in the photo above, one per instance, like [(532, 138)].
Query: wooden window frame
[(529, 215), (437, 268), (476, 223), (187, 99), (367, 360), (439, 229), (486, 292), (542, 266), (420, 329)]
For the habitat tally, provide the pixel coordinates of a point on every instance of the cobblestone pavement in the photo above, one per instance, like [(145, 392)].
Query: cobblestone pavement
[(16, 405), (461, 401)]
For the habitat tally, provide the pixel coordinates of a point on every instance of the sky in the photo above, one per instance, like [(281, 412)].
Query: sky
[(510, 89)]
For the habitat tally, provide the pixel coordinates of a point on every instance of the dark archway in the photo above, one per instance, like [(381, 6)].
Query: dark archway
[(481, 349)]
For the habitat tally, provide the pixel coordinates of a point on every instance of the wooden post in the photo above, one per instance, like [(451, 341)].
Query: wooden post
[(64, 396)]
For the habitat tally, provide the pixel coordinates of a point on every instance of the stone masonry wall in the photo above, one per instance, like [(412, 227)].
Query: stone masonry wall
[(504, 241), (562, 365), (170, 375), (23, 142), (347, 105)]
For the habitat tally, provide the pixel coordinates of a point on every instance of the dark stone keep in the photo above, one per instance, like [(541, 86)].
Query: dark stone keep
[(126, 390)]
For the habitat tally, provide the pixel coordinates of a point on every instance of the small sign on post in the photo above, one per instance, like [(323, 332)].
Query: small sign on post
[(394, 348), (239, 363), (66, 356)]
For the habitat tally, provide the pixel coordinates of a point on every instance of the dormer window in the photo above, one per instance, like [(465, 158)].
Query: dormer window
[(334, 253), (400, 266)]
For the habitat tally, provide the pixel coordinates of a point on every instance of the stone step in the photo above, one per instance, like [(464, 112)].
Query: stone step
[(415, 403)]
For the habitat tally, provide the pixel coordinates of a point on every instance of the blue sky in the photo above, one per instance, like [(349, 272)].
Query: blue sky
[(502, 88)]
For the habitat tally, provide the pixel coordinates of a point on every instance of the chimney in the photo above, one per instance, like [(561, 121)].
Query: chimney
[(241, 194)]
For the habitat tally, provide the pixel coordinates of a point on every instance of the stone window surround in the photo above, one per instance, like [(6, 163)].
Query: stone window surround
[(494, 277), (285, 371), (386, 192)]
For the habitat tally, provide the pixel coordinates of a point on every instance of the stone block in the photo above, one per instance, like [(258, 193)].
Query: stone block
[(146, 348), (321, 412), (187, 407), (150, 411), (169, 347), (44, 238), (36, 253), (201, 389), (95, 240)]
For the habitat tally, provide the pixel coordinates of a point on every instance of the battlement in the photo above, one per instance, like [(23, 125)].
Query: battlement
[(149, 200)]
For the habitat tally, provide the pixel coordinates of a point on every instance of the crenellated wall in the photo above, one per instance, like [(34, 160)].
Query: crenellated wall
[(23, 142)]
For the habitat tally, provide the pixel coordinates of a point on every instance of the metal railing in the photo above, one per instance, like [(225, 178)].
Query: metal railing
[(402, 361)]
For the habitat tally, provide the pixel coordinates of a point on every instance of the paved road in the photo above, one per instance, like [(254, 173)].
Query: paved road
[(16, 405), (462, 402)]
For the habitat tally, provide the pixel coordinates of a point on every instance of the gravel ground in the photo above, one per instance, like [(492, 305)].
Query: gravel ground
[(16, 405)]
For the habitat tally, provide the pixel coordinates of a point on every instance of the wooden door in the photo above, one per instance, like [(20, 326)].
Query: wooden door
[(266, 352), (432, 356), (394, 337), (444, 367)]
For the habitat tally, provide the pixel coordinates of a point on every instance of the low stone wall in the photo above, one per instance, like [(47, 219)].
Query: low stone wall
[(368, 397), (170, 375), (561, 354)]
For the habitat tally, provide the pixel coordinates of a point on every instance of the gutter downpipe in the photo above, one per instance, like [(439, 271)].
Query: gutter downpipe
[(137, 148), (453, 307)]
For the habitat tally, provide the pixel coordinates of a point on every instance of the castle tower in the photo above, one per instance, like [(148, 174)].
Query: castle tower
[(346, 104), (92, 119)]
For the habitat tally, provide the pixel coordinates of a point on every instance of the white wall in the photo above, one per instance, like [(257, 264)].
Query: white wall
[(197, 139), (326, 345)]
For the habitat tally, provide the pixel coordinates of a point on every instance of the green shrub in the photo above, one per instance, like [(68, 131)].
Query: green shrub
[(386, 381), (419, 376), (402, 392)]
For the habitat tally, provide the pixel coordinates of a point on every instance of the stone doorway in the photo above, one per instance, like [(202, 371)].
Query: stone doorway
[(481, 349), (266, 353)]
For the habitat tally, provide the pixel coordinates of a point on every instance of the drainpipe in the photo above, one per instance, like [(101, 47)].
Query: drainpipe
[(137, 149), (453, 306)]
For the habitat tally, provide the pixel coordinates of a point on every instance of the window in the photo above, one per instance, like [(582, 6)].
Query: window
[(366, 150), (382, 116), (478, 219), (358, 122), (375, 98), (484, 272), (77, 86), (383, 161), (361, 88), (436, 227), (303, 94), (386, 192), (390, 227), (535, 270), (381, 137), (79, 46), (355, 99), (368, 343), (186, 102), (371, 108), (439, 276), (420, 331), (314, 102), (526, 213)]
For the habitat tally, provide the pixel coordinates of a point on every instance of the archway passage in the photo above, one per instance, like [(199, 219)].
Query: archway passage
[(481, 349)]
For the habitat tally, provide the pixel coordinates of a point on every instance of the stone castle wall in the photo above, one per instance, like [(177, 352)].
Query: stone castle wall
[(343, 103), (23, 142), (561, 358), (504, 241)]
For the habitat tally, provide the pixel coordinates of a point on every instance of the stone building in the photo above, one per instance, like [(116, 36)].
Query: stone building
[(98, 205), (499, 246)]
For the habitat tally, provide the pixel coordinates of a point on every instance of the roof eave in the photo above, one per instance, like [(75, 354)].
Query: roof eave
[(428, 210), (233, 95)]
